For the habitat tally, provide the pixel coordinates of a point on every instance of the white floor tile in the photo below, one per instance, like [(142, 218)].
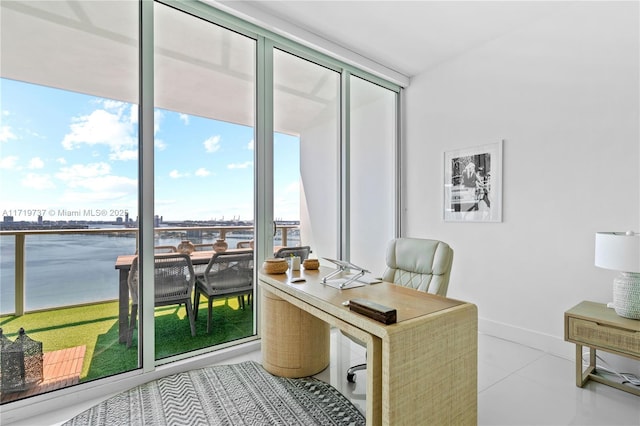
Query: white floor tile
[(517, 386)]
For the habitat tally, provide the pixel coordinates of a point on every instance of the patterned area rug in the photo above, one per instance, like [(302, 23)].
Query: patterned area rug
[(238, 394)]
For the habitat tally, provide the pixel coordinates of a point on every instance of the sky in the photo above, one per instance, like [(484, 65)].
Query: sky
[(70, 156)]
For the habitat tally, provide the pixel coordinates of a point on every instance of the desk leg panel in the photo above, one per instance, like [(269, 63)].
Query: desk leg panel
[(294, 342), (430, 370)]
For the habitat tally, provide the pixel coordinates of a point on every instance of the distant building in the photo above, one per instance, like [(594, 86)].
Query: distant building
[(8, 219)]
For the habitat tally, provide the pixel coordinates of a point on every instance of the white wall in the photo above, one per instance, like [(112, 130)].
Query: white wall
[(563, 94)]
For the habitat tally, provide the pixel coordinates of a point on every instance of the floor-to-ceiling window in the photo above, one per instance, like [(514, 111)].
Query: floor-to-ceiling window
[(204, 81), (69, 148), (68, 184), (371, 172), (306, 164)]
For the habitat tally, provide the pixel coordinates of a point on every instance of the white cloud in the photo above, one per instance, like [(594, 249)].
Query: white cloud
[(184, 118), (250, 145), (77, 174), (158, 116), (129, 154), (8, 162), (109, 126), (61, 160), (159, 144), (36, 181), (94, 182), (244, 165), (175, 174), (113, 105), (292, 188), (202, 172), (133, 114), (6, 134), (212, 144), (36, 163)]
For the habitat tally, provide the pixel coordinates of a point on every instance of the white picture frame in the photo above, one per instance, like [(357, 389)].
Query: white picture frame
[(472, 184)]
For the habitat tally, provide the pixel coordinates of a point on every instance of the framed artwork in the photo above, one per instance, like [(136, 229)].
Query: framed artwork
[(473, 184)]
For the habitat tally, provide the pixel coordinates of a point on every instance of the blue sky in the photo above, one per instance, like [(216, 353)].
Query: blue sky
[(63, 151)]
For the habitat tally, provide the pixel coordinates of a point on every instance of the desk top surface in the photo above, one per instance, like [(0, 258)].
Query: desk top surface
[(409, 303)]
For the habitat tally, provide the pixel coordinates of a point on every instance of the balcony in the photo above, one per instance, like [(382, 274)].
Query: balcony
[(65, 294)]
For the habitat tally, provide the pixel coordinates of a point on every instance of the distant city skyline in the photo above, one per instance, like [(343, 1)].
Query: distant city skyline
[(62, 152)]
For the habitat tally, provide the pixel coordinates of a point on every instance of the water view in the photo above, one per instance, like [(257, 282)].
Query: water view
[(69, 269)]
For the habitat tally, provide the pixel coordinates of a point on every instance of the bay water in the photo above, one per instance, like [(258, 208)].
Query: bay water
[(69, 269)]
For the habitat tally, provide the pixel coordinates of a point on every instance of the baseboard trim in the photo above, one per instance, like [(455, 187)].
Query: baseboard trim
[(545, 342)]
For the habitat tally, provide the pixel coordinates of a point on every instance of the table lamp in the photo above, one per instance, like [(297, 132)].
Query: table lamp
[(620, 251)]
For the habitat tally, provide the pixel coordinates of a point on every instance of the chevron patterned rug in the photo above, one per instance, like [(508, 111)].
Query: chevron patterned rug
[(238, 394)]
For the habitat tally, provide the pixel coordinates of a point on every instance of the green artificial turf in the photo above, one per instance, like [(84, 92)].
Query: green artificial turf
[(96, 327)]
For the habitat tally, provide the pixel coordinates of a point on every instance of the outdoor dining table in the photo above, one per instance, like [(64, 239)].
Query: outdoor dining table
[(123, 265)]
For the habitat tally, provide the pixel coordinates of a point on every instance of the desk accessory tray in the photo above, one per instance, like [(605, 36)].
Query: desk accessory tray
[(384, 314)]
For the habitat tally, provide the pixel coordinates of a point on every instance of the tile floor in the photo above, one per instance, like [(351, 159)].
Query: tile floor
[(517, 385)]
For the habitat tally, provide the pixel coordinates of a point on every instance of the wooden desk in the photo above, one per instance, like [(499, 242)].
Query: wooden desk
[(421, 370), (123, 264)]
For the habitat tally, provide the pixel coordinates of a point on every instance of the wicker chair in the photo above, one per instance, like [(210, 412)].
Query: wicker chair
[(227, 274), (286, 252), (422, 264), (244, 244), (174, 281)]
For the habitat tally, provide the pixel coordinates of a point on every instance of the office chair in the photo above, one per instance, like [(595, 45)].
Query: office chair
[(422, 264)]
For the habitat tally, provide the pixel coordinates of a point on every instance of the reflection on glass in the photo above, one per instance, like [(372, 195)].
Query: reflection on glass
[(306, 148), (372, 153)]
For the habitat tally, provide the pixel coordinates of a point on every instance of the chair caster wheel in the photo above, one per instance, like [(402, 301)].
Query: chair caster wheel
[(351, 377)]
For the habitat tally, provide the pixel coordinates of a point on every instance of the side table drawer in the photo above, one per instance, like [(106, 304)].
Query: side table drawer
[(603, 336)]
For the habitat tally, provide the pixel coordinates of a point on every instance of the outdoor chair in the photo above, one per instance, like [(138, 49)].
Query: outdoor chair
[(174, 282), (286, 252), (244, 244), (227, 274)]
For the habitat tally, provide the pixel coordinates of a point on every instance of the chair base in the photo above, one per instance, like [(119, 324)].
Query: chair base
[(351, 372)]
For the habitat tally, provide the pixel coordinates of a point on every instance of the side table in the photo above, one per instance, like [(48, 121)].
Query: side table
[(597, 327)]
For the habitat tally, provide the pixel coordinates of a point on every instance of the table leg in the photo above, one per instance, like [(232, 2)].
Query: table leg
[(123, 306)]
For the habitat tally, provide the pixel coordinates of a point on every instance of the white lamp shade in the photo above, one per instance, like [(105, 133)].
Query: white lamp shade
[(619, 251)]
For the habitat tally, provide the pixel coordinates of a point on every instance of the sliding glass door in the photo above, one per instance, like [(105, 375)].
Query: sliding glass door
[(306, 165), (204, 80)]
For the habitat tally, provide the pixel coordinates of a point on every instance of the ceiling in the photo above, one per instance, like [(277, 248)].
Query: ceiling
[(91, 47), (409, 37)]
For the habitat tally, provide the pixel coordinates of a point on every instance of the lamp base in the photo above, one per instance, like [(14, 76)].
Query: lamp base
[(626, 295)]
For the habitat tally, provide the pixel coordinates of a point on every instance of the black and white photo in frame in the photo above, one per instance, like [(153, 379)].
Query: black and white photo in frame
[(473, 184)]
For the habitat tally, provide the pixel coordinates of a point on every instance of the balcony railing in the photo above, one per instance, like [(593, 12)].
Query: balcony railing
[(179, 232)]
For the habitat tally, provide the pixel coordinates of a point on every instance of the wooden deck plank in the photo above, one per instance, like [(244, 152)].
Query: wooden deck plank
[(59, 369)]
